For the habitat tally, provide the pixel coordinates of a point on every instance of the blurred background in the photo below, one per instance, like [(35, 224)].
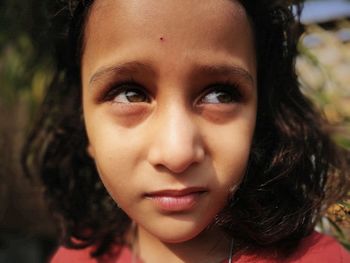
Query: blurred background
[(27, 231)]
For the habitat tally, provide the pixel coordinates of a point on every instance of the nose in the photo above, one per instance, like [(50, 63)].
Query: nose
[(176, 143)]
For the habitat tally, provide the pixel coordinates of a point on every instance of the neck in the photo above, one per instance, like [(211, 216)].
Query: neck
[(209, 246)]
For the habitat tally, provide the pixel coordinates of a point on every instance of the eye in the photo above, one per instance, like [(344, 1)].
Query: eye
[(130, 96), (222, 94), (127, 93)]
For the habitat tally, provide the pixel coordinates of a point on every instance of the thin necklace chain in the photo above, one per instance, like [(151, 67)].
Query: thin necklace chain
[(231, 252)]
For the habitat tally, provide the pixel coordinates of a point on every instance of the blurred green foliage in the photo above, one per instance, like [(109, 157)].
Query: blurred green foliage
[(25, 51), (26, 67), (323, 68)]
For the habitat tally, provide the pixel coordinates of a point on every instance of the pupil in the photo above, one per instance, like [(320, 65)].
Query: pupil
[(134, 96), (224, 97)]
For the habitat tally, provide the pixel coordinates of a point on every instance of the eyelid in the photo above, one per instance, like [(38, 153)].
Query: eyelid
[(115, 88), (227, 86)]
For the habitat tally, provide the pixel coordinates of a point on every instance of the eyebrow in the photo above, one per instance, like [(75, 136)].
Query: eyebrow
[(121, 69), (225, 69), (136, 66)]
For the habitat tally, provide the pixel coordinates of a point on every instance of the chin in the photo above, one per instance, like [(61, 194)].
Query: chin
[(176, 232), (176, 238)]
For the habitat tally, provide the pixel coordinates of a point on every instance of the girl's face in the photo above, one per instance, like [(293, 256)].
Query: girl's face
[(169, 98)]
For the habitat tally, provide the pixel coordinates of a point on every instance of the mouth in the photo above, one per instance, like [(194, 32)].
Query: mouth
[(172, 200)]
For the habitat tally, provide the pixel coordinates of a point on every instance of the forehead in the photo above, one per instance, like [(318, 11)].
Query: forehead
[(169, 10), (192, 25), (208, 18)]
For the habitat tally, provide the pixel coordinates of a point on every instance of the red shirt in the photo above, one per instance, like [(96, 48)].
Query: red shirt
[(316, 248)]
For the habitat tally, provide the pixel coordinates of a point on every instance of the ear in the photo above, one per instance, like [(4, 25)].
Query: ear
[(90, 150)]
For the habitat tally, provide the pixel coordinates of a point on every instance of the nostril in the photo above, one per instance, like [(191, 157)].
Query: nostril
[(176, 160), (174, 169)]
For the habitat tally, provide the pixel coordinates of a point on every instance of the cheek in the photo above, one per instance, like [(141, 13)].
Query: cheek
[(116, 154), (114, 169), (229, 148), (114, 147)]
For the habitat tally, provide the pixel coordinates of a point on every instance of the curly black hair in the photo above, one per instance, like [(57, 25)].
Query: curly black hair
[(295, 170)]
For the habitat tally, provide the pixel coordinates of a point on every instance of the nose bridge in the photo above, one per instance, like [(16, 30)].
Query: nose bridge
[(176, 141), (178, 126)]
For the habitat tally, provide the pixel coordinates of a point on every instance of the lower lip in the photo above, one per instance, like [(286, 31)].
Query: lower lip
[(176, 203)]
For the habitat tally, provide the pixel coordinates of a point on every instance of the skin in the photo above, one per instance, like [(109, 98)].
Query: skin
[(186, 120)]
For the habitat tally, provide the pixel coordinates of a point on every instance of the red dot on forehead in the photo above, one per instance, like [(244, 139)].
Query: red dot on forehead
[(161, 38)]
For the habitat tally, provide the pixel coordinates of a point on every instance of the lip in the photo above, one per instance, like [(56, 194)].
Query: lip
[(174, 200)]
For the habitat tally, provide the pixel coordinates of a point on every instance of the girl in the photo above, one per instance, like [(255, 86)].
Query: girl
[(176, 131)]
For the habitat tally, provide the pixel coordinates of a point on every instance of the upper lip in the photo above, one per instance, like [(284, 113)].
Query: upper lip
[(177, 192)]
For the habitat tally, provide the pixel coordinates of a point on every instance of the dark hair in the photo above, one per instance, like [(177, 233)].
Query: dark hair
[(295, 170)]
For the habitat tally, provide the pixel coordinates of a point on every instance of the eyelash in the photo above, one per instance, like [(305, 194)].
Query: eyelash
[(231, 89), (228, 87), (117, 88)]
